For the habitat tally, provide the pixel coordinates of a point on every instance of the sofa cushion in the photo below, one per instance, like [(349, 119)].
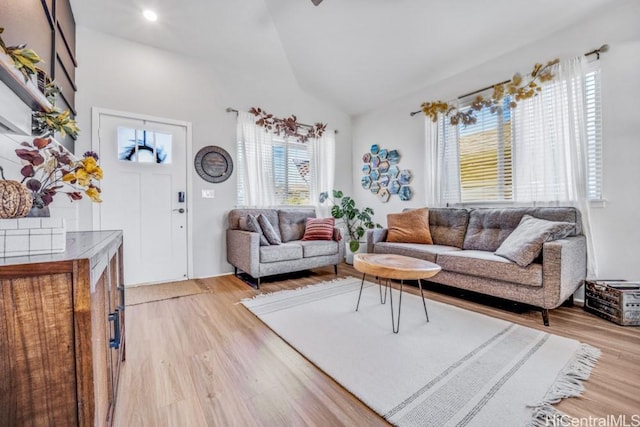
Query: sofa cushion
[(409, 227), (524, 244), (486, 264), (292, 223), (252, 224), (414, 250), (311, 248), (448, 226), (236, 214), (283, 252), (319, 229), (268, 230), (488, 228)]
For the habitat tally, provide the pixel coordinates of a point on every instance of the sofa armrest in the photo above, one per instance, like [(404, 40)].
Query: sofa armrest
[(374, 236), (338, 237), (243, 251), (564, 268)]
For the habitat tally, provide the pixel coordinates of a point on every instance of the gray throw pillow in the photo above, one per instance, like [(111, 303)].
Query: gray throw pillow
[(268, 230), (292, 222), (524, 244), (254, 226)]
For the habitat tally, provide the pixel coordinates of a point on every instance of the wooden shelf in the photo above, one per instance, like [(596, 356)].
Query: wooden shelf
[(26, 91)]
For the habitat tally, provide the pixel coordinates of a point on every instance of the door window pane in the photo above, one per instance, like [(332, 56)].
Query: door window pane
[(143, 146)]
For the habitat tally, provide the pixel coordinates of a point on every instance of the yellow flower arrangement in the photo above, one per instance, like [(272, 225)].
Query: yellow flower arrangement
[(50, 170)]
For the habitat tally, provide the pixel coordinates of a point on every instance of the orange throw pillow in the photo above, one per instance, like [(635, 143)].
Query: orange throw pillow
[(409, 227)]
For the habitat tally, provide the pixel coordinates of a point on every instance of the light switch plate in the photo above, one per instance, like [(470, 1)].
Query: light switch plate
[(208, 194)]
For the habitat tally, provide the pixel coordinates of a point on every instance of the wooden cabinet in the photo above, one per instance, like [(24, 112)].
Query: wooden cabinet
[(62, 333)]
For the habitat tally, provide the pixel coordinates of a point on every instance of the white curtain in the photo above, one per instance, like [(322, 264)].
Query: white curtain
[(255, 150), (433, 170), (322, 162), (550, 149), (443, 170)]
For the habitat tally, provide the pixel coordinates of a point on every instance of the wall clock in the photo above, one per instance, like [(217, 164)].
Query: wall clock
[(213, 164)]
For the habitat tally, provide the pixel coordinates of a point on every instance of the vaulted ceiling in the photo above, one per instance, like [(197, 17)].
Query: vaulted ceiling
[(354, 54)]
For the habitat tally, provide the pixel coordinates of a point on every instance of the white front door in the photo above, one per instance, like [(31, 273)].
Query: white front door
[(144, 194)]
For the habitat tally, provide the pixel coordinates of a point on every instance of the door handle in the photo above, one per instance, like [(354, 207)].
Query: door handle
[(115, 318), (181, 210)]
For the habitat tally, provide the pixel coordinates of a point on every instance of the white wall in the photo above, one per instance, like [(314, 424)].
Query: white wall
[(117, 74), (615, 226)]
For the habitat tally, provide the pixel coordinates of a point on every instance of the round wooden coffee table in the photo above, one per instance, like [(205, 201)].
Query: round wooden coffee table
[(398, 267)]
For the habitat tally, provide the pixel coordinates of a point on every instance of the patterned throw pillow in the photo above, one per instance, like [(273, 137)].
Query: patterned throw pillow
[(319, 229), (268, 230), (254, 226), (409, 227), (524, 243)]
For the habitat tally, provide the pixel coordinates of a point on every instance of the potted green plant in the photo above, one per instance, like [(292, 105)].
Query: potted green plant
[(356, 221)]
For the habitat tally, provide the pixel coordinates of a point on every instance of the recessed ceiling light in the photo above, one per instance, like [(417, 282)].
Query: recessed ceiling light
[(150, 15)]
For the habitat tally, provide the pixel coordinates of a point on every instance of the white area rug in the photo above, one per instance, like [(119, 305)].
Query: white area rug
[(461, 368)]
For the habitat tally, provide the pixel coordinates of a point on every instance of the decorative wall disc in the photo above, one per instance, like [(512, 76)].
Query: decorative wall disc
[(213, 164)]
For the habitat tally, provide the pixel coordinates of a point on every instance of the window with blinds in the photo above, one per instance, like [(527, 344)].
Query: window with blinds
[(594, 133), (484, 151), (291, 173), (288, 168), (478, 159)]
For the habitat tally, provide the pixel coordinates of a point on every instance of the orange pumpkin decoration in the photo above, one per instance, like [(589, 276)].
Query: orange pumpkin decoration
[(15, 198)]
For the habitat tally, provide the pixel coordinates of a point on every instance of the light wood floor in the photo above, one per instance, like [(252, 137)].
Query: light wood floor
[(204, 360)]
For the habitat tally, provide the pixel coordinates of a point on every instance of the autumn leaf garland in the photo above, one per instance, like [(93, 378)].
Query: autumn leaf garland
[(288, 127), (517, 88)]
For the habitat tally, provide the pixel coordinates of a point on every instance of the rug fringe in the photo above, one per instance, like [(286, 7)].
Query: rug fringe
[(296, 290), (568, 384)]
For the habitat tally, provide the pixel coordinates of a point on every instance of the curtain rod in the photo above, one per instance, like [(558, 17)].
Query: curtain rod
[(233, 110), (597, 52)]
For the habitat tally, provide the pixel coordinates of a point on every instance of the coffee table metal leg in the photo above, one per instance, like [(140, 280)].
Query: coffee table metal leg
[(386, 287), (423, 302), (395, 327), (360, 294)]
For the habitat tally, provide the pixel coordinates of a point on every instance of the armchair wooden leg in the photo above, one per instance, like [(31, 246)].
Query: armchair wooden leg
[(335, 268), (545, 316)]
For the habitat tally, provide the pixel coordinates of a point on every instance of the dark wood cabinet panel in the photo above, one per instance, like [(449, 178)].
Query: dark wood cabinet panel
[(67, 87), (66, 60), (59, 356), (48, 27), (48, 7), (66, 27), (26, 21)]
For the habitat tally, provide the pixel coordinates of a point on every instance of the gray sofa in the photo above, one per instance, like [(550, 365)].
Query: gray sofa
[(464, 244), (245, 253)]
